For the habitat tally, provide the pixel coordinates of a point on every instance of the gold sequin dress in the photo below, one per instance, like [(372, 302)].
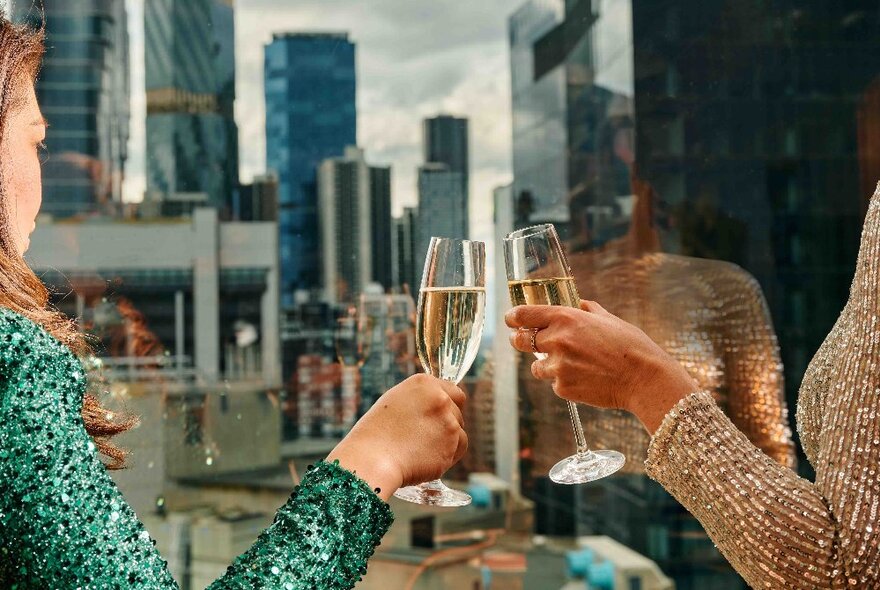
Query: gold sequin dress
[(777, 529)]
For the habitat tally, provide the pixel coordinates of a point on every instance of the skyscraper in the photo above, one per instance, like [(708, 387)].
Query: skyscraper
[(380, 226), (192, 138), (406, 268), (442, 206), (83, 91), (310, 116), (446, 142), (344, 206), (740, 132)]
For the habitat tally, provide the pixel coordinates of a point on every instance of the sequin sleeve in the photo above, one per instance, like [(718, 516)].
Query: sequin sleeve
[(65, 524), (756, 388), (322, 538), (774, 527), (777, 529)]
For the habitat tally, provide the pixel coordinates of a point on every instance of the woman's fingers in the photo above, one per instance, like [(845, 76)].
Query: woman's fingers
[(531, 316), (456, 411), (454, 392), (543, 369), (522, 340), (462, 447)]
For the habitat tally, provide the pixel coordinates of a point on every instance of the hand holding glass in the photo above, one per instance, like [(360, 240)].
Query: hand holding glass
[(538, 274), (451, 310)]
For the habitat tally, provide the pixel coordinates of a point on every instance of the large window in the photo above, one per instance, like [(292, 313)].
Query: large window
[(238, 203)]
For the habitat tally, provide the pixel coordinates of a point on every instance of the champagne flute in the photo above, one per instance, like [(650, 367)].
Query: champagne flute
[(538, 274), (449, 325)]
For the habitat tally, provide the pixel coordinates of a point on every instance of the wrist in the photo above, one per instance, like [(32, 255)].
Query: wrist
[(668, 386), (380, 473)]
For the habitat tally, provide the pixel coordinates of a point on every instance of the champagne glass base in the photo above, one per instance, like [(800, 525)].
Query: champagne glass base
[(586, 467), (433, 493)]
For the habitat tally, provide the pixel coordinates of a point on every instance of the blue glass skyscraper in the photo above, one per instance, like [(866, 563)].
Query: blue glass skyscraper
[(310, 116), (84, 93), (192, 139)]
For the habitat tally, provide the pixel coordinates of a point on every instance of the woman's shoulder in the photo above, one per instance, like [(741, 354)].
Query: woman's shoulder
[(26, 346)]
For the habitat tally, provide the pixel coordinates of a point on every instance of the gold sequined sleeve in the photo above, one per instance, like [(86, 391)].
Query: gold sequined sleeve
[(756, 396), (779, 530), (774, 527)]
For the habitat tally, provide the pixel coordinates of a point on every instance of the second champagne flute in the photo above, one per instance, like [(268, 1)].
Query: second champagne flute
[(451, 311), (538, 274)]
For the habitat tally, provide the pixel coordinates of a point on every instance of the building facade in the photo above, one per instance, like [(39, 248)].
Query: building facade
[(345, 216), (310, 116), (445, 140), (744, 140), (443, 207), (192, 138), (83, 91), (380, 226), (407, 270)]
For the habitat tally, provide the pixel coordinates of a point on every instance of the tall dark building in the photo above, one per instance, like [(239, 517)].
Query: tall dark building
[(446, 142), (443, 206), (83, 90), (407, 271), (747, 121), (380, 225), (257, 201), (310, 116), (192, 138)]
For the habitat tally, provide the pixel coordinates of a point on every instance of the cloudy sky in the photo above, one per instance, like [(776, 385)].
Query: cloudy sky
[(415, 58)]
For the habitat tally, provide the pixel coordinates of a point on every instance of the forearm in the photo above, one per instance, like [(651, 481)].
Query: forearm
[(774, 527)]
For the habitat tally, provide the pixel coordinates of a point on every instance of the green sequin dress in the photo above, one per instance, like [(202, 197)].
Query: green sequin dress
[(64, 523)]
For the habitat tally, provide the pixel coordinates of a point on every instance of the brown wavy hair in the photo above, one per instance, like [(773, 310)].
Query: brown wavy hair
[(21, 52)]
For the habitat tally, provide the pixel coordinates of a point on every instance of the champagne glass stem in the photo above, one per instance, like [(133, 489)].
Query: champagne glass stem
[(578, 428)]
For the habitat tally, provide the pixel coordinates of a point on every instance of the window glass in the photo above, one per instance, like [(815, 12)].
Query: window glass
[(227, 182)]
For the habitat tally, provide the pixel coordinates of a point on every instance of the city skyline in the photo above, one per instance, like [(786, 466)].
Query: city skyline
[(465, 73)]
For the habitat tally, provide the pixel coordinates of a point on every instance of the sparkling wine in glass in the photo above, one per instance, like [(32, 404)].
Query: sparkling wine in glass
[(538, 274), (449, 325)]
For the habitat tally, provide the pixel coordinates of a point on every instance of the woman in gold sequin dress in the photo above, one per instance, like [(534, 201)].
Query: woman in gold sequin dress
[(777, 529)]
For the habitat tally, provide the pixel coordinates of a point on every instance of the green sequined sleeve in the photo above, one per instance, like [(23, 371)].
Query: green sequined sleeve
[(65, 524)]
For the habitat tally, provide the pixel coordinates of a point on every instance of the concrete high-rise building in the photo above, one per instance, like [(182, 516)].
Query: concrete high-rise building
[(442, 207), (192, 138), (83, 90), (380, 226), (310, 116), (200, 287), (446, 142), (407, 272), (344, 205)]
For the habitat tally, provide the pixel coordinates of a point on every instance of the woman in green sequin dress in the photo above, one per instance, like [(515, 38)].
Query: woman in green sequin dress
[(63, 522)]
